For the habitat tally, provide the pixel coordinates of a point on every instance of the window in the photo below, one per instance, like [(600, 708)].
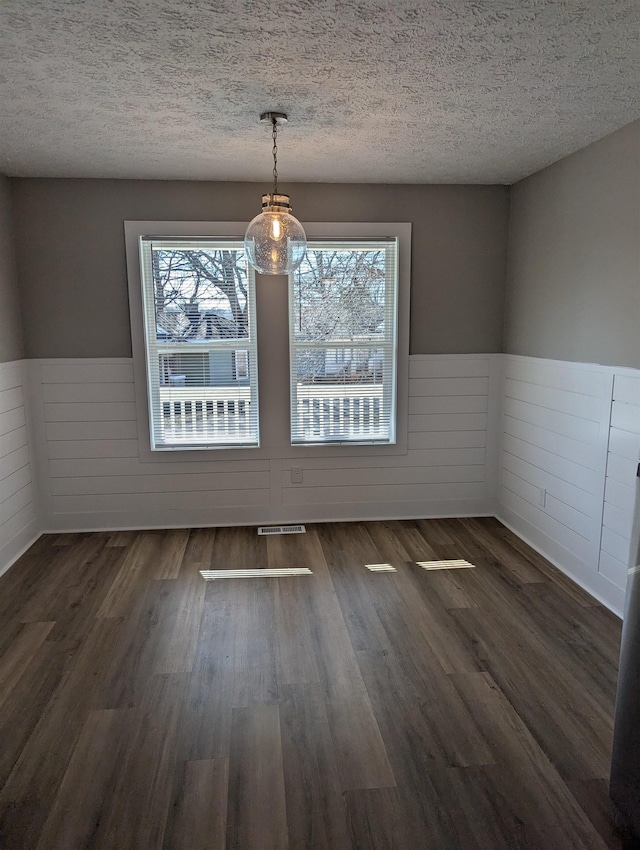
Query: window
[(198, 301), (194, 310), (342, 335)]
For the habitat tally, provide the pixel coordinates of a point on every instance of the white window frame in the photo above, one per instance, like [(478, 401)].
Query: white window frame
[(372, 230), (321, 400), (145, 372), (273, 351)]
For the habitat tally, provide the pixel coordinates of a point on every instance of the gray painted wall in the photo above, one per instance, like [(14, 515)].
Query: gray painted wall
[(573, 289), (11, 347), (71, 262)]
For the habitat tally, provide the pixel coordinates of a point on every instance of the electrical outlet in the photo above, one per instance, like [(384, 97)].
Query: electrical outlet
[(296, 475), (542, 497)]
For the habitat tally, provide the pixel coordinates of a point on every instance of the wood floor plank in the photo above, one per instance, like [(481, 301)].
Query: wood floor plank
[(177, 647), (84, 594), (199, 549), (294, 633), (23, 580), (520, 758), (432, 717), (198, 814), (361, 756), (346, 550), (16, 659), (535, 611), (441, 633), (560, 713), (121, 538), (494, 808), (136, 569), (205, 723), (389, 548), (138, 804), (590, 653), (48, 602), (451, 588), (316, 813), (141, 639), (44, 759), (10, 628), (20, 823), (239, 548), (413, 540), (255, 678), (300, 550), (172, 549), (252, 607), (379, 818), (257, 815), (542, 565), (436, 533), (27, 702), (41, 765), (447, 586), (79, 802), (494, 546), (65, 540)]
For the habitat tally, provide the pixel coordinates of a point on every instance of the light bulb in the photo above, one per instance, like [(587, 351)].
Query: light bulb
[(276, 228)]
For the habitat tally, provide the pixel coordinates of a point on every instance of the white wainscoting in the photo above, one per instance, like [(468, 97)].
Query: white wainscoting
[(18, 514), (93, 477), (621, 484), (554, 466), (446, 470)]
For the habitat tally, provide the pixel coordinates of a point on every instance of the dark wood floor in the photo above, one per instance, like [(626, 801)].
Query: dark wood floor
[(142, 707)]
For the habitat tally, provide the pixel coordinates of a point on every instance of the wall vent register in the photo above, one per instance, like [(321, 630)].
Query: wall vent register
[(281, 529)]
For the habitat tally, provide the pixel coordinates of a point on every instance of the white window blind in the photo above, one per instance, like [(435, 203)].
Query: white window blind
[(343, 342), (200, 343)]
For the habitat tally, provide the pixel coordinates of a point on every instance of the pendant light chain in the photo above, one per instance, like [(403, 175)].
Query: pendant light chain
[(274, 136)]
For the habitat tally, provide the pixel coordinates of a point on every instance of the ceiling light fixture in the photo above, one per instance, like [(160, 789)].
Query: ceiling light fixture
[(275, 241)]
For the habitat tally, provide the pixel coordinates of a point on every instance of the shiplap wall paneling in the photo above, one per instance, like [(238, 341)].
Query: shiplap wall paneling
[(444, 470), (450, 406), (18, 513), (95, 478), (621, 481), (553, 462)]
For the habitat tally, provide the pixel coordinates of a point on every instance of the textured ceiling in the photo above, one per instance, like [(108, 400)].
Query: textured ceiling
[(376, 90)]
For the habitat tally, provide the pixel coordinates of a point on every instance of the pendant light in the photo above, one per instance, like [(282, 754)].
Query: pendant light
[(275, 241)]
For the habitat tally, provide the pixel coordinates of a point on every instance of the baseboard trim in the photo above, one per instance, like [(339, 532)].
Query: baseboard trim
[(251, 522)]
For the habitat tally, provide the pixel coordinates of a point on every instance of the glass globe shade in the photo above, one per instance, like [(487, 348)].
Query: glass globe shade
[(275, 241)]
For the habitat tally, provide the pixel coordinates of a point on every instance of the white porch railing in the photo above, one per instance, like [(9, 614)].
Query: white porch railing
[(326, 411), (192, 412), (323, 411)]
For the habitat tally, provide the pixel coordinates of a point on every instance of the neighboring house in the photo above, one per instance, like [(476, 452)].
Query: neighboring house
[(198, 369)]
